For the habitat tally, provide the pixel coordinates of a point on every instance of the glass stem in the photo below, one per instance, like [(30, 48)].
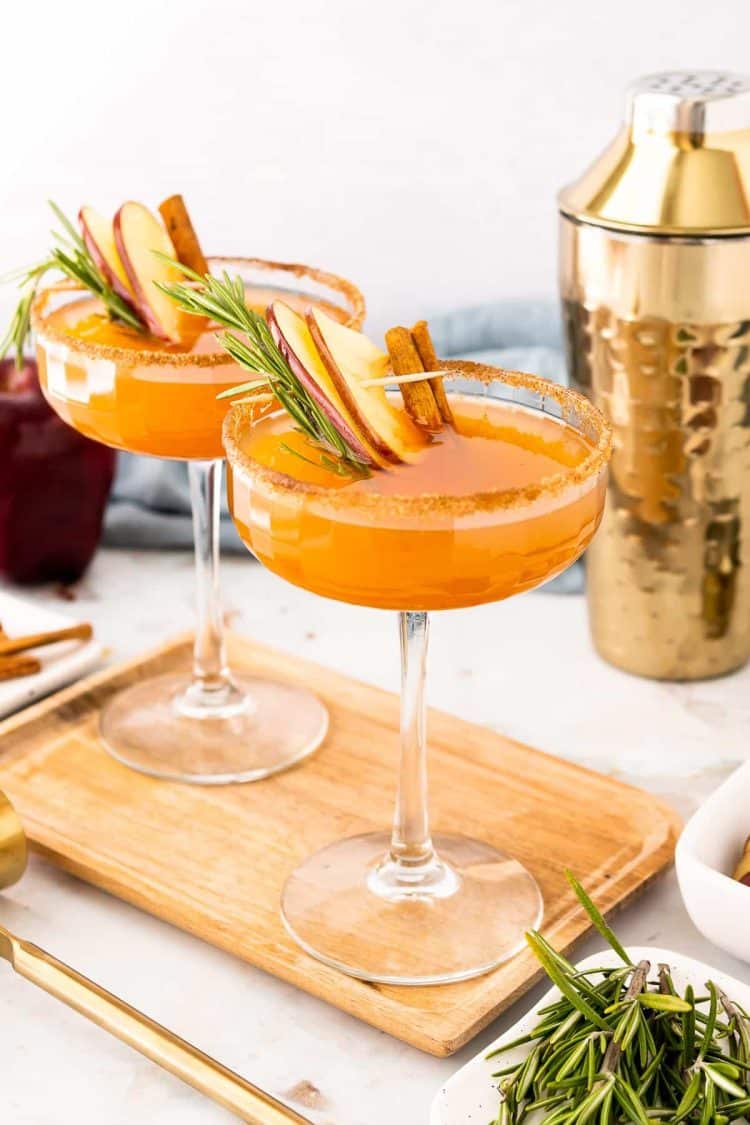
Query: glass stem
[(212, 682), (411, 845)]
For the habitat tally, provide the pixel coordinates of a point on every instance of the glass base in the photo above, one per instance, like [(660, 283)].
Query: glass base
[(352, 907), (245, 731)]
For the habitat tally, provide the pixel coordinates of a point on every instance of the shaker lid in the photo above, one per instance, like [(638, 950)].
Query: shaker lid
[(680, 164)]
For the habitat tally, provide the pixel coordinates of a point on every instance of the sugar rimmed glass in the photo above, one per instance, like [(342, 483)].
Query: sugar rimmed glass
[(407, 907), (211, 727)]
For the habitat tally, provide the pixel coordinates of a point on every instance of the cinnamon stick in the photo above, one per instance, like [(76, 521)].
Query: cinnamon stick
[(14, 667), (420, 334), (418, 397), (180, 229), (9, 646)]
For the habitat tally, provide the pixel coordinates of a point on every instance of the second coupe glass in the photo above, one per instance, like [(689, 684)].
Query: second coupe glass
[(514, 496)]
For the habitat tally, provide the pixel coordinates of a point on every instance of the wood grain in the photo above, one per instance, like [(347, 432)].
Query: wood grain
[(213, 860)]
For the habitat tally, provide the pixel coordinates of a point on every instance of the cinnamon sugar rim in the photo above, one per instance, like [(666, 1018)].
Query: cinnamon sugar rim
[(591, 419), (40, 321)]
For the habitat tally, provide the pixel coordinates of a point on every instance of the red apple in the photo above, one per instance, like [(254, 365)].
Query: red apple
[(352, 362), (54, 484), (18, 381), (137, 234), (99, 239), (291, 335)]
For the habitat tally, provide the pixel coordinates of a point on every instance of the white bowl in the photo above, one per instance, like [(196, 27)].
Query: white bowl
[(470, 1097), (707, 852)]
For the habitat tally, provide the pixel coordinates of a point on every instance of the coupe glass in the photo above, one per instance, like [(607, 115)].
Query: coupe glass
[(212, 727), (405, 907)]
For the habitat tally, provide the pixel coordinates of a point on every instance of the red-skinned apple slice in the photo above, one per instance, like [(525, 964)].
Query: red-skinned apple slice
[(351, 361), (138, 234), (292, 337), (99, 239)]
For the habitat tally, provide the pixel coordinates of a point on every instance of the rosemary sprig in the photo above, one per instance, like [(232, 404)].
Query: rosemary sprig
[(71, 258), (618, 1047), (222, 300)]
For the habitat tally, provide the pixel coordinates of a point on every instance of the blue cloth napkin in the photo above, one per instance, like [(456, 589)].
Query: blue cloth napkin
[(150, 505)]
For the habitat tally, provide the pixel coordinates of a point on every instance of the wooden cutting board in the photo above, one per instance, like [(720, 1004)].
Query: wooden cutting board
[(213, 860)]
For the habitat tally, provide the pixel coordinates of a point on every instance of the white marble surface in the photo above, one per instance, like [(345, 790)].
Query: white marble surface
[(525, 667)]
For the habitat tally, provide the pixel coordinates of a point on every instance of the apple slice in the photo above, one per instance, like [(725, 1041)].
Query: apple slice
[(351, 360), (99, 239), (292, 337), (138, 234)]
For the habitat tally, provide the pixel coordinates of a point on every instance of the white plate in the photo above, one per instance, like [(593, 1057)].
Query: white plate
[(470, 1096), (707, 853), (61, 663)]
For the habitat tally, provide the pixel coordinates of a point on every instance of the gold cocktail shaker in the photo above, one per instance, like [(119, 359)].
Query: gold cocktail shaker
[(655, 285)]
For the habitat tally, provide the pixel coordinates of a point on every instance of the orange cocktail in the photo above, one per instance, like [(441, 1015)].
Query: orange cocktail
[(496, 505), (145, 392), (501, 492), (147, 395)]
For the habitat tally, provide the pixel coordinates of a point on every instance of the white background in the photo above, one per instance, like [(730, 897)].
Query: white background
[(415, 146)]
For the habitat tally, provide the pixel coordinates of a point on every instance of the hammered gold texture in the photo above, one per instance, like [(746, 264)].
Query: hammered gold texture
[(668, 594)]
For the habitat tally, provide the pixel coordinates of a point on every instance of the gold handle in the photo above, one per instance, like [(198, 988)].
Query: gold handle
[(152, 1040)]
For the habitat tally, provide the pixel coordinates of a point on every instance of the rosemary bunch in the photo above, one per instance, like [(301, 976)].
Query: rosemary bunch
[(71, 258), (620, 1046), (222, 300)]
